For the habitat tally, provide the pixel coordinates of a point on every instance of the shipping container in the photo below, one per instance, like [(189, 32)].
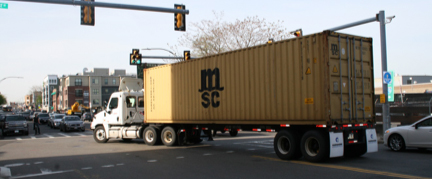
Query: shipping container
[(324, 78)]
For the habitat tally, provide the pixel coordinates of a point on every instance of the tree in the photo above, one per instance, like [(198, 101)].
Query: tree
[(2, 100), (35, 88), (38, 101), (210, 37)]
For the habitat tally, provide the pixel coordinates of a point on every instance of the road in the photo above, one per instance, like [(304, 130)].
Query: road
[(56, 154)]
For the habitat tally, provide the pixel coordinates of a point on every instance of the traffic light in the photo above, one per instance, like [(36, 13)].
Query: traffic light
[(88, 14), (270, 41), (186, 55), (135, 57), (298, 33), (179, 18)]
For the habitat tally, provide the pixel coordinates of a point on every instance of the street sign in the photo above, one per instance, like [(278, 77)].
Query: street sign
[(387, 77), (391, 88), (3, 6)]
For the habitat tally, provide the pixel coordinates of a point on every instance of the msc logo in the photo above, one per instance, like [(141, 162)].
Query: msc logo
[(334, 49), (211, 92), (337, 139)]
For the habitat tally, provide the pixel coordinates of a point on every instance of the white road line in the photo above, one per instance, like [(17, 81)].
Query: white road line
[(181, 157), (64, 135), (48, 136), (120, 164), (38, 163), (107, 166), (151, 160), (41, 174), (32, 137), (18, 138), (79, 134), (207, 154), (229, 152), (14, 165), (87, 168)]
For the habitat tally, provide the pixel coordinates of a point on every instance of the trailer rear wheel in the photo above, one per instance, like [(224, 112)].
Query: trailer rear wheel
[(169, 136), (287, 145), (315, 146), (355, 150), (99, 135), (233, 133), (150, 135)]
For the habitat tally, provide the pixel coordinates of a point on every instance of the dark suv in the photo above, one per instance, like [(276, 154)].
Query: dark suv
[(43, 118), (14, 124)]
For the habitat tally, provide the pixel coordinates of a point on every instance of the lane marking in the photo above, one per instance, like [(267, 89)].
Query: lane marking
[(79, 134), (41, 174), (107, 166), (87, 168), (344, 168), (207, 154), (37, 163), (18, 138), (120, 164), (33, 137), (64, 135), (181, 157), (48, 136), (230, 152), (151, 160), (14, 165)]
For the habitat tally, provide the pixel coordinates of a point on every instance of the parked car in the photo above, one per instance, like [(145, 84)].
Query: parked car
[(71, 123), (87, 117), (14, 124), (54, 122), (33, 115), (417, 135), (43, 118)]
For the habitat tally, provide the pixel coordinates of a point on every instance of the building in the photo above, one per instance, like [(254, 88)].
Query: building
[(49, 84), (28, 100), (88, 88)]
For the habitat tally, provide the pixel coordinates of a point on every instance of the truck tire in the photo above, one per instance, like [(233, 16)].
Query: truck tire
[(99, 135), (287, 145), (355, 150), (169, 136), (233, 133), (315, 146), (150, 135)]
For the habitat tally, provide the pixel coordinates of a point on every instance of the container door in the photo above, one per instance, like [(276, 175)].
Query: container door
[(351, 77)]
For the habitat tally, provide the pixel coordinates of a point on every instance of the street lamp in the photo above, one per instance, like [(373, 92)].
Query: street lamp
[(10, 77)]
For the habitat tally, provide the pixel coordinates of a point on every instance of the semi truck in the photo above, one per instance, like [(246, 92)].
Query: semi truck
[(316, 92)]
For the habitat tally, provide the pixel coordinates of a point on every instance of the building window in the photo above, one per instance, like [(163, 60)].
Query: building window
[(79, 101), (78, 82), (78, 93), (95, 101), (106, 81), (66, 92), (106, 90), (114, 81), (95, 81), (95, 91)]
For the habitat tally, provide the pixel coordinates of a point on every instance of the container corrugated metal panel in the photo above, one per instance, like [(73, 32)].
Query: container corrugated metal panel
[(296, 81)]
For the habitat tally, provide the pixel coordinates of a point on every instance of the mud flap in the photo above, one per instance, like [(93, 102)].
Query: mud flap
[(336, 144), (372, 140)]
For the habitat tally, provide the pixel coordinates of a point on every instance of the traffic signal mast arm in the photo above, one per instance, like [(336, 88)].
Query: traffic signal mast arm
[(110, 5)]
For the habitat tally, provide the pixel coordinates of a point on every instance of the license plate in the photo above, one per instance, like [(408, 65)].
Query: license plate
[(350, 136), (16, 131)]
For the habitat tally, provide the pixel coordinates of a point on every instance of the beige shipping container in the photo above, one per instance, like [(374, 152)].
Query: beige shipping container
[(323, 78)]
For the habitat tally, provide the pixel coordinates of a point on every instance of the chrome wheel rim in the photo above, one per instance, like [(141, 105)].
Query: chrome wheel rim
[(100, 134), (396, 143), (149, 135), (168, 136)]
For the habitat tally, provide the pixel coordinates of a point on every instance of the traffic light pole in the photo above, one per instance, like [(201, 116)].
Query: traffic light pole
[(380, 18), (161, 57), (109, 5)]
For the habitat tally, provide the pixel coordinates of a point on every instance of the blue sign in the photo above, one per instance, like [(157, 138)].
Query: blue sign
[(387, 78)]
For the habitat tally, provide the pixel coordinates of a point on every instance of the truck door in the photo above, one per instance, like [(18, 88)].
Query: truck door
[(351, 78), (113, 111)]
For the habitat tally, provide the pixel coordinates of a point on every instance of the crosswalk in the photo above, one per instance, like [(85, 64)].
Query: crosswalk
[(50, 136)]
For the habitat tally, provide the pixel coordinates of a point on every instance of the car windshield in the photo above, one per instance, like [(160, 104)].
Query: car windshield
[(14, 118), (43, 115), (72, 119), (58, 116)]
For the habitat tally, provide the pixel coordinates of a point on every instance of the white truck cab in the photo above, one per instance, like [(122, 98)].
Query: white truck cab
[(124, 115)]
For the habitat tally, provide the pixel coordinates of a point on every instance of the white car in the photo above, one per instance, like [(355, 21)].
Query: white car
[(417, 135)]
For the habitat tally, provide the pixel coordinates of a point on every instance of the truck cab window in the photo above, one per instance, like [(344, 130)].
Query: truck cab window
[(113, 103), (140, 102), (130, 102)]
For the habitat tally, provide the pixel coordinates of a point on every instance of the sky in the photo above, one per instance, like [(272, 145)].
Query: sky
[(39, 39)]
